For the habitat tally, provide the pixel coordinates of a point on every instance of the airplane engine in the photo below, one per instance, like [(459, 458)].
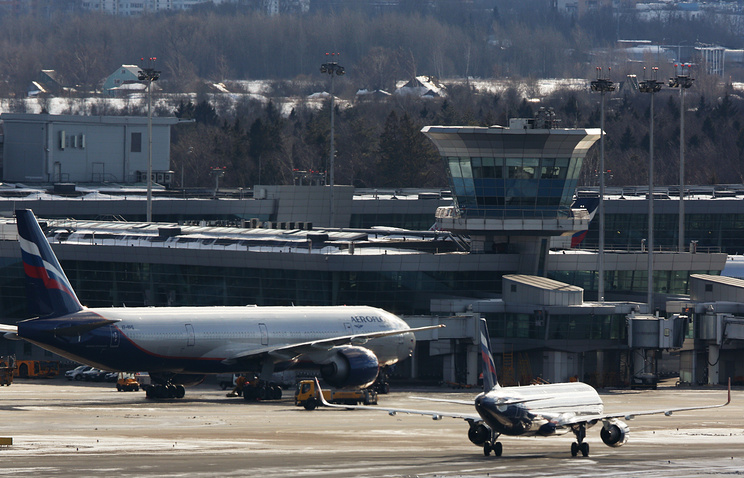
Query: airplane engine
[(351, 367), (479, 434), (615, 433)]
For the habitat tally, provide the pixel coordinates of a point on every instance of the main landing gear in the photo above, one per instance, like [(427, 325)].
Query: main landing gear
[(579, 445), (261, 391), (168, 390), (381, 385)]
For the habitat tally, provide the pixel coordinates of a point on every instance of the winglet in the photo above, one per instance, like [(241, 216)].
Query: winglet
[(490, 380), (729, 391), (48, 291)]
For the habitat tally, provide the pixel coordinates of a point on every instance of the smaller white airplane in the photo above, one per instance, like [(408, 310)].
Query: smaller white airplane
[(534, 410)]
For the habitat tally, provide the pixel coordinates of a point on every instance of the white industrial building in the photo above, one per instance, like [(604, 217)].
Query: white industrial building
[(83, 149)]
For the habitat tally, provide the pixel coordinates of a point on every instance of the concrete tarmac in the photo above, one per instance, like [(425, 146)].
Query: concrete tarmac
[(63, 428)]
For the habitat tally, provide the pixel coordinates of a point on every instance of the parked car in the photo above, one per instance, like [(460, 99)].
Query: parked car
[(77, 372), (94, 375)]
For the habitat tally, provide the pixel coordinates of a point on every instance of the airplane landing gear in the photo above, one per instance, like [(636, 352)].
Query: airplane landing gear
[(381, 385), (579, 445), (168, 390), (494, 447), (262, 391), (163, 386), (491, 445)]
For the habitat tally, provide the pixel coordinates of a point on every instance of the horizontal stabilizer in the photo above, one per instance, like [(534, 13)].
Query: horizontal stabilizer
[(5, 328), (10, 332)]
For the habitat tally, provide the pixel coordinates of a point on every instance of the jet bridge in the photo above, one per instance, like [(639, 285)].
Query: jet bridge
[(718, 329), (647, 335)]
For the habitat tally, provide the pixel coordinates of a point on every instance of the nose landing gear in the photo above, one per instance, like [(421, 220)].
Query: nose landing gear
[(579, 445)]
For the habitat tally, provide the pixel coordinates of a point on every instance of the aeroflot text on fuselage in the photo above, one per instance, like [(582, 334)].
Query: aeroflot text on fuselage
[(366, 318)]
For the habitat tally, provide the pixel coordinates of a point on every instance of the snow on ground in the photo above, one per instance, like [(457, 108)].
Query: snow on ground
[(251, 90)]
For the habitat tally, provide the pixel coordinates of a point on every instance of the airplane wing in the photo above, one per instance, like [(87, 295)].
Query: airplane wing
[(630, 415), (501, 401), (435, 415), (292, 351), (445, 400)]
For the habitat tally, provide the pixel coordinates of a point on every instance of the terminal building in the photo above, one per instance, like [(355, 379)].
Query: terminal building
[(492, 253)]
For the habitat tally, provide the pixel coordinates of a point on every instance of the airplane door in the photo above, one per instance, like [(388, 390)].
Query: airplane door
[(347, 326), (190, 339), (264, 334), (115, 336)]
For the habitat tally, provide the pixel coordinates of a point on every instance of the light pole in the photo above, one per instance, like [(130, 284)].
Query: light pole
[(682, 82), (650, 86), (217, 172), (149, 75), (603, 85), (333, 69)]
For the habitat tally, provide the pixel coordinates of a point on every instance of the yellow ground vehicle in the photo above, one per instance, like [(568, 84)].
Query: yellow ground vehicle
[(306, 395), (37, 368), (127, 383)]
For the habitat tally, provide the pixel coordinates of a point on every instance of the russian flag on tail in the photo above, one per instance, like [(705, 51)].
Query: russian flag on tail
[(490, 380), (48, 291)]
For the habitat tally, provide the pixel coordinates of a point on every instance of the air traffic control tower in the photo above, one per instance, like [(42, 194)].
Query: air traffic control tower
[(513, 187)]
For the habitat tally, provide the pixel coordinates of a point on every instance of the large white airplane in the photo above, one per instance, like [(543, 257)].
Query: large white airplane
[(180, 345), (534, 410)]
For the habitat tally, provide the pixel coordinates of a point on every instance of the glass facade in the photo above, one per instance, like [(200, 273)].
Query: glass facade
[(719, 232), (513, 187), (557, 326), (629, 283), (103, 284)]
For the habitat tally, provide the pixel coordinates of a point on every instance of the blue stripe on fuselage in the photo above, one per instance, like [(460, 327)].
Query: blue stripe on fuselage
[(97, 348)]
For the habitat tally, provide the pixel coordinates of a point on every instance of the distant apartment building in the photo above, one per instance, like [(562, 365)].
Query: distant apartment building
[(139, 7), (35, 7)]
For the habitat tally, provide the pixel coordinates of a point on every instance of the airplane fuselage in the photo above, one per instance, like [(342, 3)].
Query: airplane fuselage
[(535, 409), (202, 340)]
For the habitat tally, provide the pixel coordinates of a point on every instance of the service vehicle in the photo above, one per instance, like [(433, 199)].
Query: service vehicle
[(37, 368), (307, 396), (127, 383)]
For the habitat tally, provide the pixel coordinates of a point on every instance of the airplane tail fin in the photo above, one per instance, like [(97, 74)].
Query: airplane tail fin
[(48, 291), (490, 380)]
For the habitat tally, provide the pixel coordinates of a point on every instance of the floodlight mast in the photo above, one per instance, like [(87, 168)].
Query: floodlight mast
[(651, 86), (603, 85), (149, 74), (681, 81), (333, 69)]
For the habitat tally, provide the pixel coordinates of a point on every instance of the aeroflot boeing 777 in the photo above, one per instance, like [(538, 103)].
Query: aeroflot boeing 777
[(180, 345), (535, 410)]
